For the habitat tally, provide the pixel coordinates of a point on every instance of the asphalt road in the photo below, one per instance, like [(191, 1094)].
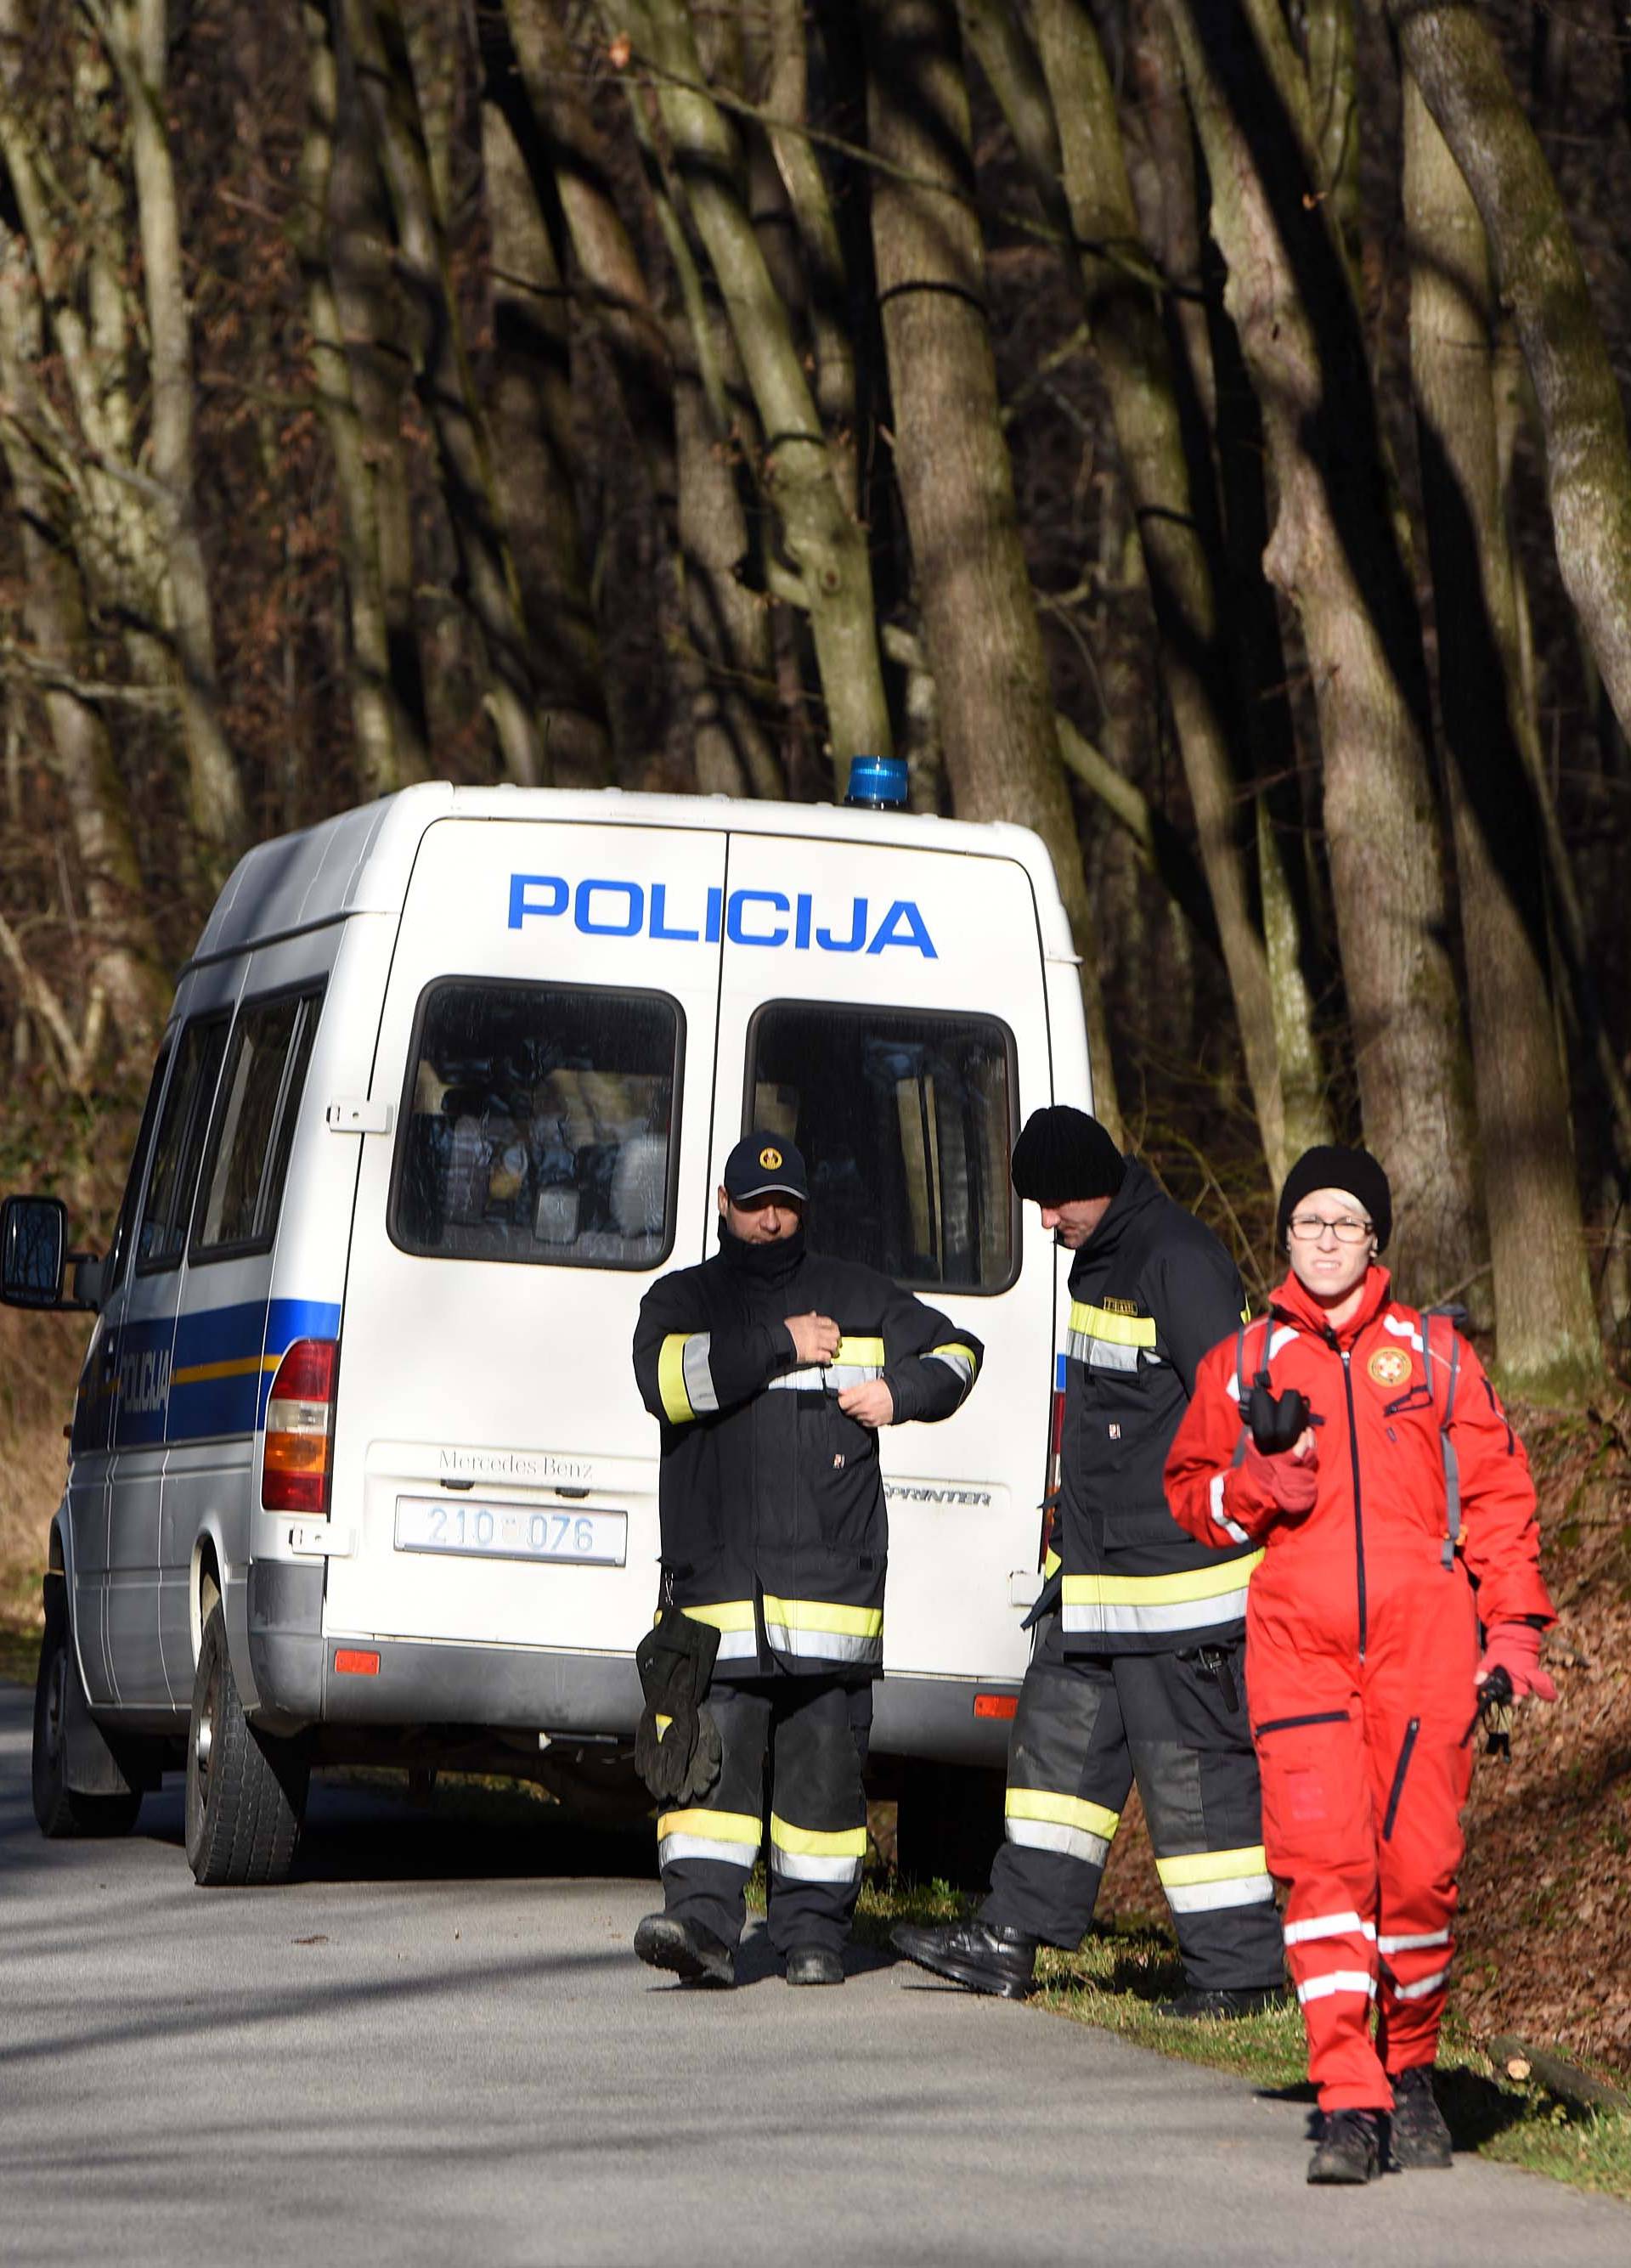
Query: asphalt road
[(437, 2047)]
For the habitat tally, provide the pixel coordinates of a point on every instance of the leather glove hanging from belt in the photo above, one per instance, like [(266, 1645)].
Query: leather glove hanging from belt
[(677, 1749)]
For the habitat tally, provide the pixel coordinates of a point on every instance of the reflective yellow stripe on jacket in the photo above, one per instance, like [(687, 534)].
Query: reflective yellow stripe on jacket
[(822, 1630), (1193, 1600)]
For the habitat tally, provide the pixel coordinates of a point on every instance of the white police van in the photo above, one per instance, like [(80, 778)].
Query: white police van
[(358, 1466)]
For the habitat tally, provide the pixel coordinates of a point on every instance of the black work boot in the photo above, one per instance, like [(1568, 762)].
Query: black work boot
[(1349, 2149), (814, 1964), (694, 1955), (1418, 2135), (974, 1953), (1201, 2003)]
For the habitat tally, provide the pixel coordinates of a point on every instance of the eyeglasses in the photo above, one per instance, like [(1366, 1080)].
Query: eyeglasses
[(1309, 1228)]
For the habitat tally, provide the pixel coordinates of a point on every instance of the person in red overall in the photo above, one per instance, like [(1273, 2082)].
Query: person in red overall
[(1364, 1652)]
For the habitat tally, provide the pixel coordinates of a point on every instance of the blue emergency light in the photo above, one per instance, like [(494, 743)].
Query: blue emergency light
[(877, 783)]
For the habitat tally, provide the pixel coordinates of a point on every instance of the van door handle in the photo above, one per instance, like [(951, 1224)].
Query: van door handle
[(347, 1115)]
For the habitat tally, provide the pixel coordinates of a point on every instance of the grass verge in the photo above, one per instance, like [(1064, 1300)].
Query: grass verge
[(1115, 1978)]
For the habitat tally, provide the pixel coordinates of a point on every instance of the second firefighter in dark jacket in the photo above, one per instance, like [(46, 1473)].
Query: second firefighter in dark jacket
[(771, 1369), (1137, 1668)]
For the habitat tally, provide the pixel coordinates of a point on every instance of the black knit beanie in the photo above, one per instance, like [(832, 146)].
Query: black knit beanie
[(1330, 1167), (1062, 1154)]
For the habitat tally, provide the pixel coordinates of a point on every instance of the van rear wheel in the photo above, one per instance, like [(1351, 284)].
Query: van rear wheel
[(60, 1810), (246, 1790)]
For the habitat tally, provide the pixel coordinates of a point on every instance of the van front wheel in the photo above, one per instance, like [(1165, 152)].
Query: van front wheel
[(246, 1792)]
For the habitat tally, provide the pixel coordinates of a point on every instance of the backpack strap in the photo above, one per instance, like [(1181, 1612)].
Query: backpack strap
[(1450, 1317), (1240, 1376)]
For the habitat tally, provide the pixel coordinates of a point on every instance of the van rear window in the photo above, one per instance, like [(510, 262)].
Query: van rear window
[(538, 1125), (905, 1120)]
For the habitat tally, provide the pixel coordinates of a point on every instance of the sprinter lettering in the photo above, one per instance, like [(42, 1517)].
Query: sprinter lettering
[(769, 918)]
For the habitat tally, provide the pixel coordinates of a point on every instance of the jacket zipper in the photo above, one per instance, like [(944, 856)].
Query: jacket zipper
[(1359, 1515), (1288, 1724), (1398, 1788)]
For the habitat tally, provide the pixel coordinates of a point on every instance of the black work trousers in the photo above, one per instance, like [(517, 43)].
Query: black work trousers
[(813, 1733), (1086, 1727)]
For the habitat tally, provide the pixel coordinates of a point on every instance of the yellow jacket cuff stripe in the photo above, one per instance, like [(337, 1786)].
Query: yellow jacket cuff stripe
[(671, 1379)]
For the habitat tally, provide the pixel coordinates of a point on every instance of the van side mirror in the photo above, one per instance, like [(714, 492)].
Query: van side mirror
[(34, 1243), (33, 1254)]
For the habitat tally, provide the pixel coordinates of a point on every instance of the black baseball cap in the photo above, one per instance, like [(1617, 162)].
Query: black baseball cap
[(763, 1165)]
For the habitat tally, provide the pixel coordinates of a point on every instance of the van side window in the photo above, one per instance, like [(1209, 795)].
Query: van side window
[(255, 1124), (538, 1125), (124, 1227), (905, 1120), (180, 1143)]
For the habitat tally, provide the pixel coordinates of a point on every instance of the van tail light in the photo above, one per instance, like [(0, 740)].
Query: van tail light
[(1056, 1465), (300, 1429)]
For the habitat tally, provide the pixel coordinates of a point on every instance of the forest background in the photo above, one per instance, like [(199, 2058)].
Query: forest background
[(1194, 429)]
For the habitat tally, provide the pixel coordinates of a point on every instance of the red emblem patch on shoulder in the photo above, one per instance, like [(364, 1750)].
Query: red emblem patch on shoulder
[(1388, 1367)]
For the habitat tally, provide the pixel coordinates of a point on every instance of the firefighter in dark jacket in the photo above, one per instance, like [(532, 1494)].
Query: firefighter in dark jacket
[(1138, 1666), (770, 1370)]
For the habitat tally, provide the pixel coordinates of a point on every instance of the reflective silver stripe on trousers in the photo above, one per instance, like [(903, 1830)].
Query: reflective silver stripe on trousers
[(1412, 1944), (1340, 1980), (830, 1380), (697, 1376), (807, 1866), (1053, 1835), (1178, 1614), (1331, 1924), (741, 1855), (1207, 1897), (1420, 1991), (823, 1646)]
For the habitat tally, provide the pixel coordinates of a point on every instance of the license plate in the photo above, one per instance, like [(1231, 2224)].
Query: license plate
[(512, 1531)]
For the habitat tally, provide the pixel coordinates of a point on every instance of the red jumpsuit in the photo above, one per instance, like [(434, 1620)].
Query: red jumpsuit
[(1361, 1647)]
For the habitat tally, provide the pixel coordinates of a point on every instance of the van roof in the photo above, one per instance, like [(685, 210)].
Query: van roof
[(359, 861)]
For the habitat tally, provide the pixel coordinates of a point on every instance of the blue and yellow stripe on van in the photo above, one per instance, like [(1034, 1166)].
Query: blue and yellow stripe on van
[(208, 1371)]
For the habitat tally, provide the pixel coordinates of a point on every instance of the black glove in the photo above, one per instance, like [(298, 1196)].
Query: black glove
[(677, 1749), (1277, 1420)]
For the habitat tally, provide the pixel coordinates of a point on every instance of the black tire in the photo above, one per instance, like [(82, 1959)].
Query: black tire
[(59, 1811), (246, 1792), (950, 1823)]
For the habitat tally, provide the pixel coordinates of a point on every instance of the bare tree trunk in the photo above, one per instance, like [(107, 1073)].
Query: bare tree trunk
[(474, 510), (532, 419), (619, 298), (980, 617), (1334, 99), (126, 965), (1132, 351), (826, 544), (1545, 1313), (372, 325), (368, 655), (138, 34), (1453, 55), (1334, 552)]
